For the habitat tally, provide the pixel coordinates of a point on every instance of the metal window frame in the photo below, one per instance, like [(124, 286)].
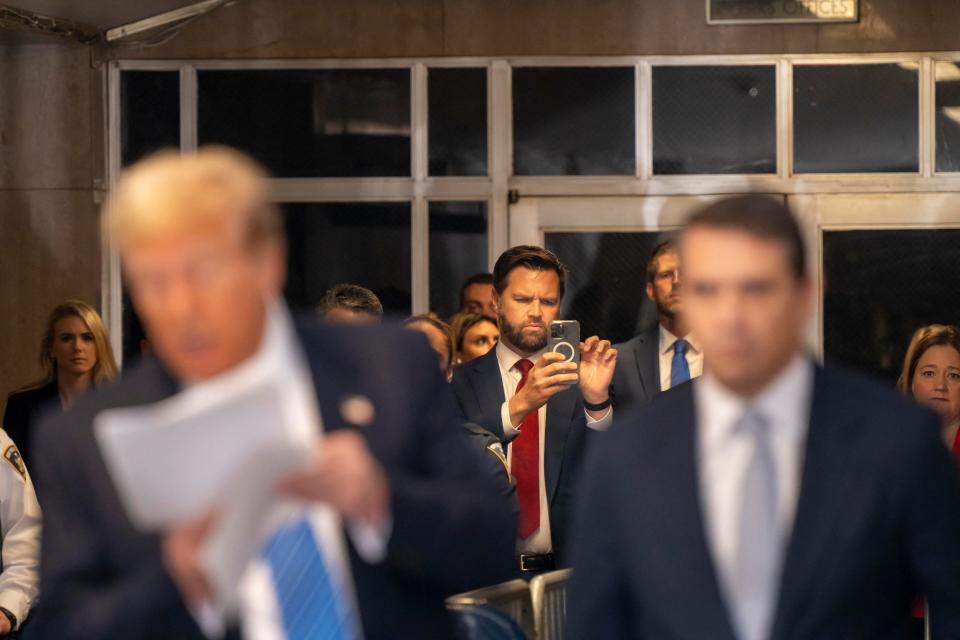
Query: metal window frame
[(420, 188), (931, 87)]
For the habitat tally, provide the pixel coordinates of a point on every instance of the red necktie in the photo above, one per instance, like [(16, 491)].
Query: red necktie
[(525, 462)]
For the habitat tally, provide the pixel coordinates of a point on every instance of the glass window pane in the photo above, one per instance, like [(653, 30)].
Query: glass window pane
[(948, 116), (457, 127), (458, 249), (883, 285), (714, 120), (573, 121), (337, 123), (607, 281), (150, 113), (855, 118), (360, 243)]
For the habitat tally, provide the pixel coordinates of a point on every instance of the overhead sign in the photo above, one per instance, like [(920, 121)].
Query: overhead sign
[(780, 11)]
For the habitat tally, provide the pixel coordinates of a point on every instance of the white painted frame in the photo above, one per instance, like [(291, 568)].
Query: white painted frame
[(506, 222)]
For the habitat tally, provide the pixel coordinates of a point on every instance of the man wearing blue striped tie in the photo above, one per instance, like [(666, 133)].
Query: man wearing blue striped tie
[(394, 510)]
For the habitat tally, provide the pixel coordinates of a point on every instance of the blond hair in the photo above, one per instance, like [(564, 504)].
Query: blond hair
[(923, 338), (169, 193), (105, 368)]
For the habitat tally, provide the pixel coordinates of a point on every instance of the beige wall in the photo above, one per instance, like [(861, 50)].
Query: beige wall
[(401, 28), (49, 155)]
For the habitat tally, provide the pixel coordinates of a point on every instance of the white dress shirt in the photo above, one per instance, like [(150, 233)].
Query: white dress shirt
[(20, 531), (540, 541), (724, 452), (693, 356), (280, 360)]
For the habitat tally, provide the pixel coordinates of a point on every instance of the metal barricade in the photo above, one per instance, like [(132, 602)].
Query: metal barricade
[(548, 594), (511, 597)]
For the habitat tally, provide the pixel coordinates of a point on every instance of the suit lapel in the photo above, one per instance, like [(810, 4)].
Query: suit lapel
[(685, 525), (827, 478), (488, 385), (329, 389), (648, 362), (559, 422)]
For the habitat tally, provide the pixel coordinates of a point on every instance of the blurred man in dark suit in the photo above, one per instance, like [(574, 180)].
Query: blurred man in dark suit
[(771, 498), (666, 355), (393, 513), (536, 403)]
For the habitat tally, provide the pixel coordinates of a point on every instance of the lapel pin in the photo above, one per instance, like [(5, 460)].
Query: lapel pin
[(357, 410)]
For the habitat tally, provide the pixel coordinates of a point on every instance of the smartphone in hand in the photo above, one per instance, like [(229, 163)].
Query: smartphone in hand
[(564, 338)]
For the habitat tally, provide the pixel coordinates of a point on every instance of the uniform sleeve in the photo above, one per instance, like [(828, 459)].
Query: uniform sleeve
[(20, 530)]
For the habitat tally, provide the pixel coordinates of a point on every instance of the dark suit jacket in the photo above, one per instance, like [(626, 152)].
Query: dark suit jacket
[(636, 379), (878, 521), (23, 410), (479, 391), (103, 579)]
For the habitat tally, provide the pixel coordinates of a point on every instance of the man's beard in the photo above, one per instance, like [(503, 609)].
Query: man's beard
[(516, 337), (663, 306)]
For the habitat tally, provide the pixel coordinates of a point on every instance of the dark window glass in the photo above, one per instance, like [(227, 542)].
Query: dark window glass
[(458, 249), (714, 120), (948, 116), (150, 113), (133, 332), (338, 123), (573, 121), (855, 118), (607, 281), (457, 127), (880, 287), (361, 243)]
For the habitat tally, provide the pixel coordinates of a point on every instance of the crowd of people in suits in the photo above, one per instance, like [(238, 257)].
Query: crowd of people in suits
[(705, 479)]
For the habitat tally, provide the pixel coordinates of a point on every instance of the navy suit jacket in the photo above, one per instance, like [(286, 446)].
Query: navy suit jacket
[(101, 578), (877, 522), (479, 390), (636, 378), (23, 410)]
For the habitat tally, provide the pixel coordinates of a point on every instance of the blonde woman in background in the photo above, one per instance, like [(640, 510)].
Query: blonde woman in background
[(75, 355)]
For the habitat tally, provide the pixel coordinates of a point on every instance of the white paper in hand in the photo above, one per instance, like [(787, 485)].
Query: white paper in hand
[(175, 459)]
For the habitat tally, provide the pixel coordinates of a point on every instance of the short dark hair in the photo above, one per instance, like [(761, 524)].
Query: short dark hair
[(667, 246), (530, 257), (351, 297), (760, 216), (477, 278)]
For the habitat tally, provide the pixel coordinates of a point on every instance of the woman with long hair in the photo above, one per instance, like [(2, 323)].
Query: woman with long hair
[(931, 376), (75, 355)]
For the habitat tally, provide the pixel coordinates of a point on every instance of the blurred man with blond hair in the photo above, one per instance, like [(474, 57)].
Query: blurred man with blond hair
[(395, 513)]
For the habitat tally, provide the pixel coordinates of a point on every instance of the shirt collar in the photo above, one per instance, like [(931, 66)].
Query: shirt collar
[(785, 402), (508, 358), (667, 339)]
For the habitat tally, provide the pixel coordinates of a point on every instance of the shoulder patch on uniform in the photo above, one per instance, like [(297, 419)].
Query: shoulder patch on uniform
[(497, 449), (12, 456)]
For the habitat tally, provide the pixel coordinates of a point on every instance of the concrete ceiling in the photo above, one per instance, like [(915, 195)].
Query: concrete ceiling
[(96, 14)]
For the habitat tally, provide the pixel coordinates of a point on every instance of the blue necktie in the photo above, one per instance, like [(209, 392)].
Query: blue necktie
[(312, 606), (679, 369), (754, 586)]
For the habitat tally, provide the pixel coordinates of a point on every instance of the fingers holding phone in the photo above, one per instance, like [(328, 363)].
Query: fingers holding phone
[(550, 375)]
